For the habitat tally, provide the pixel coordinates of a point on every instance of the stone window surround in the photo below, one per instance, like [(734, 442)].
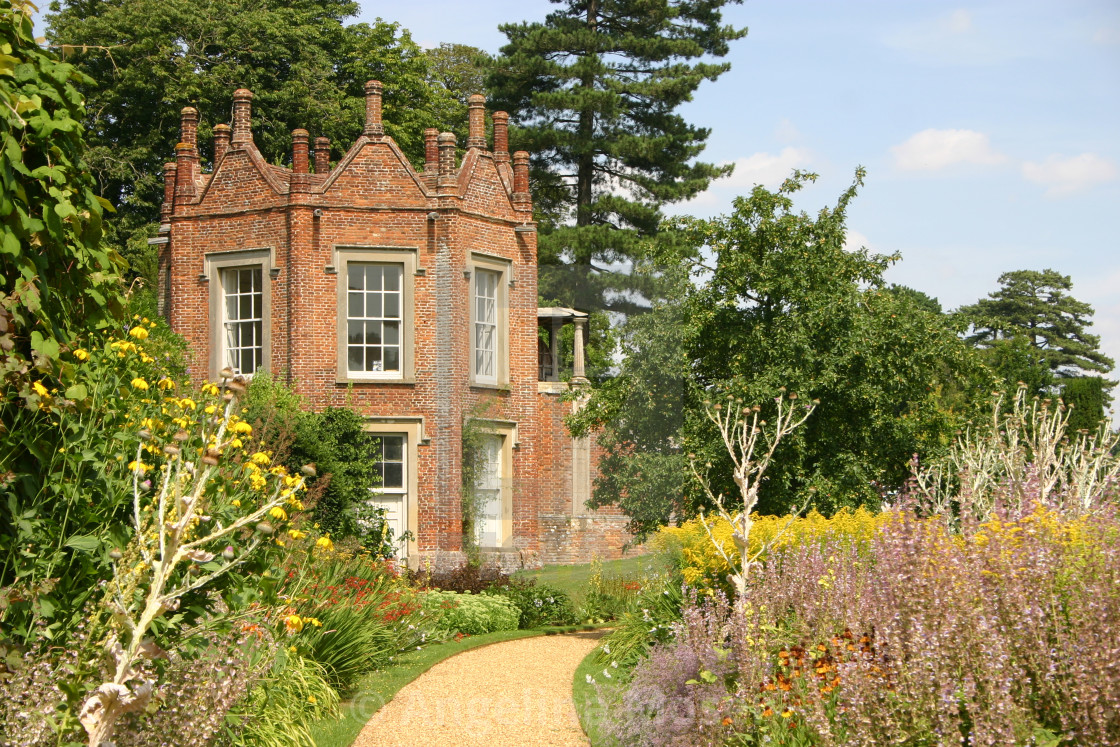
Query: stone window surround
[(412, 428), (213, 264), (407, 257), (507, 431), (504, 267)]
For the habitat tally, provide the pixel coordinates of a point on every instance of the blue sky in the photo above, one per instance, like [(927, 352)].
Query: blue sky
[(990, 131)]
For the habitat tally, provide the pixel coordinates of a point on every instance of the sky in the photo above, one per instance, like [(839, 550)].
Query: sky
[(990, 131)]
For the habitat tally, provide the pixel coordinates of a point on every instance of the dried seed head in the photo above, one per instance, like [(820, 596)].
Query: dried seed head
[(116, 553), (144, 434), (226, 373), (171, 450), (309, 470), (181, 436), (228, 553), (265, 528)]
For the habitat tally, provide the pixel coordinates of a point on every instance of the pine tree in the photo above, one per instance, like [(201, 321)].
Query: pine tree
[(592, 92), (1035, 306)]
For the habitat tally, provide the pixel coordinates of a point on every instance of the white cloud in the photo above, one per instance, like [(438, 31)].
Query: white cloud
[(959, 22), (854, 241), (931, 150), (1063, 176), (767, 169), (1107, 35)]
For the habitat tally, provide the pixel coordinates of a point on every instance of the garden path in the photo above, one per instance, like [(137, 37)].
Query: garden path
[(517, 693)]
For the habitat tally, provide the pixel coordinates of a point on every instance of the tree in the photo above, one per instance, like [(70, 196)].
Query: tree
[(776, 301), (149, 58), (1035, 306), (592, 93), (457, 70), (57, 280), (1088, 398)]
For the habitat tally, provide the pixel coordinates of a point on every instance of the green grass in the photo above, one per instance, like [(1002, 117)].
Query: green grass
[(376, 689), (586, 695), (573, 579)]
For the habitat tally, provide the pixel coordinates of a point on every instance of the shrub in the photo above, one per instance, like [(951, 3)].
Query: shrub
[(471, 614), (650, 620), (349, 613), (608, 596), (538, 605), (995, 636), (469, 578), (701, 565)]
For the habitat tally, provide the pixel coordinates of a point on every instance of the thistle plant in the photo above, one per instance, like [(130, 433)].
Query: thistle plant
[(1021, 457), (208, 508), (742, 431)]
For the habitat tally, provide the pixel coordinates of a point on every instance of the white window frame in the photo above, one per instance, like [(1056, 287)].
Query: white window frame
[(413, 431), (216, 265), (406, 260), (502, 268)]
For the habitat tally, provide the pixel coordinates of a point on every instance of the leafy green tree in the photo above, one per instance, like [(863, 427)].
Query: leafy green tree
[(56, 277), (149, 58), (1088, 396), (1037, 307), (776, 301), (592, 92), (457, 71)]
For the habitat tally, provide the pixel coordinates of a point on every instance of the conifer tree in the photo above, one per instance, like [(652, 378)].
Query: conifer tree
[(592, 93), (1036, 306)]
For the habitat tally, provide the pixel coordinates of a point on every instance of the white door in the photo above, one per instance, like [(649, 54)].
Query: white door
[(392, 493), (488, 490)]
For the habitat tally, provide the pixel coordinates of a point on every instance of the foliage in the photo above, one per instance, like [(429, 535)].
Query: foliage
[(608, 595), (1036, 306), (457, 71), (776, 300), (345, 455), (58, 280), (471, 614), (702, 566), (1087, 398), (473, 437), (592, 93), (1021, 457), (349, 613), (207, 493), (146, 59), (538, 605), (279, 711), (993, 637), (468, 578), (54, 539), (198, 687), (648, 620)]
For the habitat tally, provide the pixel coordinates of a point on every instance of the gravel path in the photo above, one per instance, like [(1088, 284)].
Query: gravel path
[(517, 693)]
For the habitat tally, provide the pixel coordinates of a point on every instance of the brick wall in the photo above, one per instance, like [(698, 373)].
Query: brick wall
[(442, 219)]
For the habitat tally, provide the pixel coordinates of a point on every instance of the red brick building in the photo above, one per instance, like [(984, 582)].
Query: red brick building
[(410, 297)]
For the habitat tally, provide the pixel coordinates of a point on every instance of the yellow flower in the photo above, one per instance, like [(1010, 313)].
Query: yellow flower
[(139, 333), (260, 458), (82, 355), (209, 388), (325, 543), (311, 699), (294, 623), (278, 513), (241, 427), (313, 621), (187, 404), (236, 503), (236, 443), (139, 466), (211, 409), (139, 383), (165, 383), (296, 534), (40, 389)]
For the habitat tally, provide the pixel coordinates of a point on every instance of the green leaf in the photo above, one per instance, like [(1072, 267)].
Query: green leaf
[(77, 392), (84, 543)]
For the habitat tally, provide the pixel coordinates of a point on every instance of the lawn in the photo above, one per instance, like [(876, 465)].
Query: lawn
[(574, 579)]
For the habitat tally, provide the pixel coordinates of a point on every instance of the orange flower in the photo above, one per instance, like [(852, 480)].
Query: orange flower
[(727, 721), (767, 711)]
